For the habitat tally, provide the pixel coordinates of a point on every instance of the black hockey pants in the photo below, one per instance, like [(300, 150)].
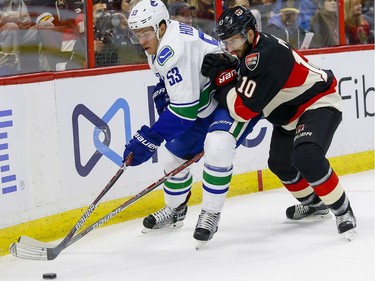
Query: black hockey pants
[(304, 149)]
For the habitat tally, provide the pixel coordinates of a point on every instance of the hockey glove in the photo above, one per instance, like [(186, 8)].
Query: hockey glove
[(143, 145), (160, 96), (220, 68)]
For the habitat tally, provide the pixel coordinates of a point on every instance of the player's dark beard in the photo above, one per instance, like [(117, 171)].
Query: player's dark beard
[(248, 47)]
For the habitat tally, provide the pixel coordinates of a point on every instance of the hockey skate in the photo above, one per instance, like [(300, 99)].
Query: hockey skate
[(206, 227), (346, 225), (310, 212), (165, 219)]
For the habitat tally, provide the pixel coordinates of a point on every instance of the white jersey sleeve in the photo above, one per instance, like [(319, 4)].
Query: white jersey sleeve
[(178, 62)]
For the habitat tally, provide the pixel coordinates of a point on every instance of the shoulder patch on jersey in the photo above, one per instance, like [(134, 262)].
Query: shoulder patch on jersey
[(252, 60), (165, 54)]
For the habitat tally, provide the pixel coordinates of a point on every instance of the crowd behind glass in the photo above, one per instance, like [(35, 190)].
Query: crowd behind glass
[(50, 35)]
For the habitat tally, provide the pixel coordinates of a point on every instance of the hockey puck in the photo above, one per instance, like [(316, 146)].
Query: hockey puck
[(49, 276)]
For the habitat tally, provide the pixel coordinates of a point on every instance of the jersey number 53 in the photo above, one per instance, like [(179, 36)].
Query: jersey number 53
[(174, 76)]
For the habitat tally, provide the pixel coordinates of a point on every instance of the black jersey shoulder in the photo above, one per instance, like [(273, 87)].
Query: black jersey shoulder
[(269, 55)]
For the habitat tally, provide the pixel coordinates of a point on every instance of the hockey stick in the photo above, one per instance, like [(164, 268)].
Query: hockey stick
[(18, 250), (29, 248)]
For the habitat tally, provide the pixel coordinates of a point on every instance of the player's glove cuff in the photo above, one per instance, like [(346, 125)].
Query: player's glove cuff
[(220, 68), (143, 145)]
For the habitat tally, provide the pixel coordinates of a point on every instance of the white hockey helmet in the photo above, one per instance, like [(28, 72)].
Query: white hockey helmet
[(148, 13)]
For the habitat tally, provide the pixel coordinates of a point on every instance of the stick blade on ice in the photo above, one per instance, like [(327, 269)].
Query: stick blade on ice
[(24, 251), (31, 249)]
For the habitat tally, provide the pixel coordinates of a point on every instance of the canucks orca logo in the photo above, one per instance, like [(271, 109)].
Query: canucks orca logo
[(165, 54), (153, 3)]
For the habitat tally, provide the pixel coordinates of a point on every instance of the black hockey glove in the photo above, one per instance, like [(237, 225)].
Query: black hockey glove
[(220, 68)]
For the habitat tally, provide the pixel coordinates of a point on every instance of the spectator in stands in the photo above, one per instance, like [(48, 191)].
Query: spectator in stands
[(246, 4), (182, 12), (324, 25), (307, 10), (65, 45), (285, 24), (105, 52), (13, 17), (9, 61), (21, 38), (234, 3), (132, 3), (356, 27), (128, 53), (266, 9), (124, 13), (368, 12), (64, 42), (204, 15)]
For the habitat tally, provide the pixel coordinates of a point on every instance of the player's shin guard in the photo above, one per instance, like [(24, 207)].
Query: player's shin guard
[(333, 195), (220, 151), (215, 187), (176, 188), (217, 174)]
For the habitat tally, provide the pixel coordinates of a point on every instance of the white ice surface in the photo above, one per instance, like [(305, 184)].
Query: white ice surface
[(254, 243)]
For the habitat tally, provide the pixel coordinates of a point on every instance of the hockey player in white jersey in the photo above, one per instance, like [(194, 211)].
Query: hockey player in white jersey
[(190, 119)]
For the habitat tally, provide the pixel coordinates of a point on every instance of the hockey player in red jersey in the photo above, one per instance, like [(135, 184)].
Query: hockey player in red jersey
[(302, 103)]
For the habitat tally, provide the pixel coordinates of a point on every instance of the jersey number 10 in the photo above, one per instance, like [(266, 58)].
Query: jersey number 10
[(247, 87)]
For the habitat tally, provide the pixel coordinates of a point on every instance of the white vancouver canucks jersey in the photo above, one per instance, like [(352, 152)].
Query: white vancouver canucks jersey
[(178, 62)]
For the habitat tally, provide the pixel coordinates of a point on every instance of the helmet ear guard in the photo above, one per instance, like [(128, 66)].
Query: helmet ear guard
[(237, 20)]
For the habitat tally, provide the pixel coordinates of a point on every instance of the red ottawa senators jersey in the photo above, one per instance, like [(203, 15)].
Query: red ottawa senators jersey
[(278, 82)]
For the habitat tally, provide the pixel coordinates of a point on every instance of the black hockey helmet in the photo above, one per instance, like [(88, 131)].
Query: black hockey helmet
[(237, 20)]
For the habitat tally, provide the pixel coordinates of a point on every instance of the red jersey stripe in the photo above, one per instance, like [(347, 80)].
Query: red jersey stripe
[(297, 76), (328, 186), (298, 186), (302, 107)]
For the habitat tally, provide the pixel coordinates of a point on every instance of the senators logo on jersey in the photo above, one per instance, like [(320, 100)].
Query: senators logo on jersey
[(252, 60)]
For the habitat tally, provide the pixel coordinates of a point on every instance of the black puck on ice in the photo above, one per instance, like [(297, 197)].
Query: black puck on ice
[(49, 275)]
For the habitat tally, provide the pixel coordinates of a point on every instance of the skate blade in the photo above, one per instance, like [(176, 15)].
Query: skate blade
[(350, 234), (168, 228), (200, 244)]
